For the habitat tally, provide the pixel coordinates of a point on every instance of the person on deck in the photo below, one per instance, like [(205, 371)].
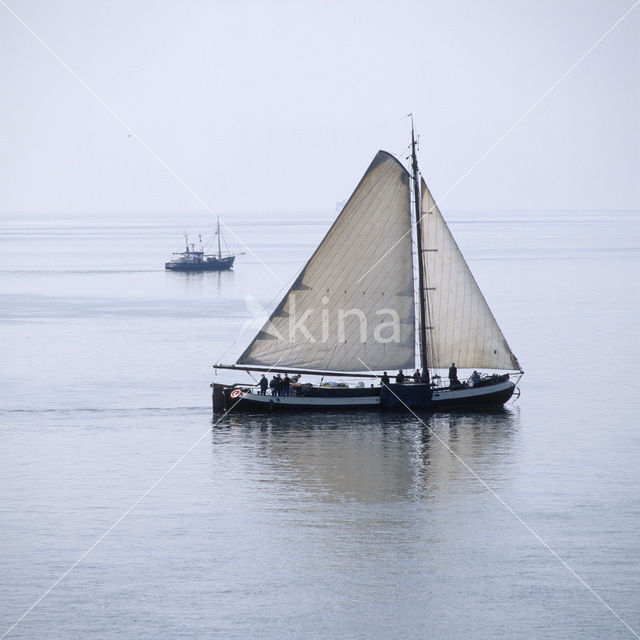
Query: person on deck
[(286, 385), (453, 375), (384, 380), (264, 384), (273, 385), (416, 376), (400, 377), (278, 385), (475, 377)]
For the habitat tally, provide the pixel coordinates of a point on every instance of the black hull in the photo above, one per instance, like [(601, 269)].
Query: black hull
[(398, 397), (223, 264)]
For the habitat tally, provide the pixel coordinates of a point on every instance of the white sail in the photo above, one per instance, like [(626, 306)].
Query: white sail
[(461, 327), (329, 320)]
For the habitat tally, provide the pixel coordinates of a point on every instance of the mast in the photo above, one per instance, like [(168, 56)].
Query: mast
[(422, 337), (219, 249)]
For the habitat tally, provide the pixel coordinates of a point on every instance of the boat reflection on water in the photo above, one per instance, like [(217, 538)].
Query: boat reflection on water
[(375, 458)]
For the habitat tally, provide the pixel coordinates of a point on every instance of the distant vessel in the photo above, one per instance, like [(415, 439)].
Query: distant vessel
[(197, 260), (368, 295)]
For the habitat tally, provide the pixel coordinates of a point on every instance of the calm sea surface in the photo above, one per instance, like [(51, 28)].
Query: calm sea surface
[(360, 526)]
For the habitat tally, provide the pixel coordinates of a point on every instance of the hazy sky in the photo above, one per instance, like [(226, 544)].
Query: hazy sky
[(282, 105)]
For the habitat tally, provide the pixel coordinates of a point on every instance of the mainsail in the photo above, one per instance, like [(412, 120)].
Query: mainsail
[(337, 316), (461, 327)]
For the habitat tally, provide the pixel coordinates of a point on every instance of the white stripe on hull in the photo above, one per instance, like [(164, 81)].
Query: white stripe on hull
[(301, 401), (461, 397)]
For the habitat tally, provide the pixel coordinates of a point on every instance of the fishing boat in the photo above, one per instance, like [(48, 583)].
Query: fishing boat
[(192, 259), (379, 295)]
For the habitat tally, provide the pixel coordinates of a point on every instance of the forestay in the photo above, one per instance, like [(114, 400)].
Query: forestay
[(462, 328), (329, 320)]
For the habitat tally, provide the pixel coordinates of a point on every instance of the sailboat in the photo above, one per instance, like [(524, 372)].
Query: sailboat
[(192, 259), (379, 295)]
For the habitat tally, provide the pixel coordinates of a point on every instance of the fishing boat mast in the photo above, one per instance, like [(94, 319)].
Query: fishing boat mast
[(422, 336), (219, 248)]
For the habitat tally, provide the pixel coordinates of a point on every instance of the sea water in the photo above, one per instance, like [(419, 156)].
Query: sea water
[(129, 511)]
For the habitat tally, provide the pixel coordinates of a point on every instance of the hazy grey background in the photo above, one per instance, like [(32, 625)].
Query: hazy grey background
[(281, 105), (303, 528)]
